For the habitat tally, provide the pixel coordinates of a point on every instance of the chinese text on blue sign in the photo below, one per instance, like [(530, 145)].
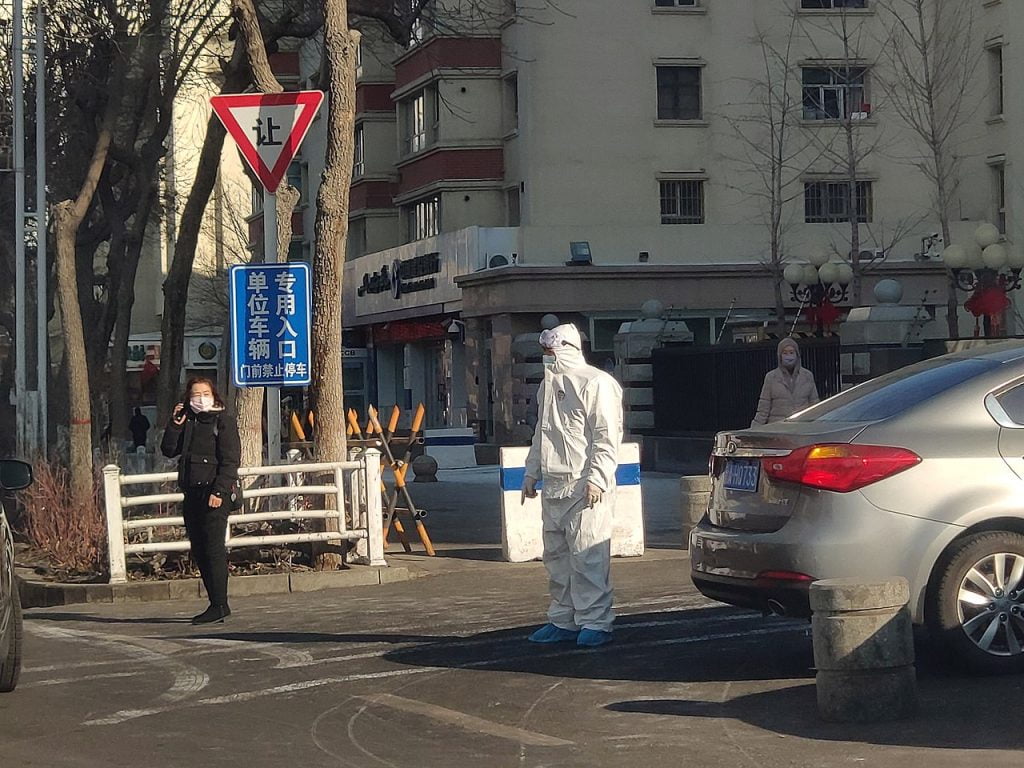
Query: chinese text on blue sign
[(270, 325)]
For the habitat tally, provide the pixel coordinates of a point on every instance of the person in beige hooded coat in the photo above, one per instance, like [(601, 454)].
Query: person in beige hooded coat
[(787, 389)]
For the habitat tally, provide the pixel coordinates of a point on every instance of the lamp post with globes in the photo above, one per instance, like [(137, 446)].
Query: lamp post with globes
[(989, 271), (819, 285)]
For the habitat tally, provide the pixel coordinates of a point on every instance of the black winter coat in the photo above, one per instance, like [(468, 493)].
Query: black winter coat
[(208, 451)]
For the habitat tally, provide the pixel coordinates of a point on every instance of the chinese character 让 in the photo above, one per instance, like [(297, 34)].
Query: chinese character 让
[(265, 131)]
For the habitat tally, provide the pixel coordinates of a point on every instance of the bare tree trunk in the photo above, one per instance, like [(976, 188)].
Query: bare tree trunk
[(68, 216), (172, 331), (340, 45)]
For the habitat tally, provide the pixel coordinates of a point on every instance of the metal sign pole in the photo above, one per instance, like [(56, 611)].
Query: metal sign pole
[(42, 333), (272, 395), (18, 84)]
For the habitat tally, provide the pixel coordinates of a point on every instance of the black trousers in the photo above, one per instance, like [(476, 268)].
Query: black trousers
[(206, 528)]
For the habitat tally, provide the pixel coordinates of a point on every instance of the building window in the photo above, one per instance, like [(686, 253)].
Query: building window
[(513, 214), (995, 58), (834, 93), (257, 199), (828, 202), (679, 93), (827, 4), (422, 115), (511, 91), (682, 202), (298, 250), (356, 245), (675, 3), (358, 165), (999, 184), (297, 178), (424, 218)]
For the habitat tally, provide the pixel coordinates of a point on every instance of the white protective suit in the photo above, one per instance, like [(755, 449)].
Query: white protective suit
[(576, 442)]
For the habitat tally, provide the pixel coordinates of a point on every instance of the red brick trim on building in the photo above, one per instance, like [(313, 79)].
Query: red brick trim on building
[(451, 164), (448, 52), (374, 97), (371, 194)]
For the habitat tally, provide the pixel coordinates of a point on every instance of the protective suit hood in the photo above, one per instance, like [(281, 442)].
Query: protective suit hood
[(567, 344)]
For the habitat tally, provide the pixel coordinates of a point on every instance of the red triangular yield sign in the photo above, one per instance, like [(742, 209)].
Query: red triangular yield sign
[(268, 128)]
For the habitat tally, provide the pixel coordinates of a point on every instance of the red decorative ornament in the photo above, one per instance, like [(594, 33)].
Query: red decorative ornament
[(989, 301), (824, 315)]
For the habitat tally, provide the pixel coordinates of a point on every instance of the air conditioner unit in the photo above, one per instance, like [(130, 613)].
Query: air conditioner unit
[(497, 261), (870, 255), (202, 352)]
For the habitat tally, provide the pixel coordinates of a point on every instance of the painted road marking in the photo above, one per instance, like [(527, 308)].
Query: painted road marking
[(466, 722)]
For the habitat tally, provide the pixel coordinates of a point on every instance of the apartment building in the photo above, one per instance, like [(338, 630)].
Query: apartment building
[(582, 160)]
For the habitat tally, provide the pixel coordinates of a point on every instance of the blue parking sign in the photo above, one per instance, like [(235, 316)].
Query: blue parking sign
[(270, 325)]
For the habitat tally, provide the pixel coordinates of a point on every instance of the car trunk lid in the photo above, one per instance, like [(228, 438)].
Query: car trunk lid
[(743, 497)]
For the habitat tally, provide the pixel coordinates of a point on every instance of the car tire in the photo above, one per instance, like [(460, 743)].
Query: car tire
[(11, 647), (985, 638)]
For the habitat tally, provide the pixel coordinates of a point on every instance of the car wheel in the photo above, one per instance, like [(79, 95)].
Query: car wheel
[(10, 627), (976, 604)]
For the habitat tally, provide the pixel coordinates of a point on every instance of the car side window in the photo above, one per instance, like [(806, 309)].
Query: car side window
[(1012, 402)]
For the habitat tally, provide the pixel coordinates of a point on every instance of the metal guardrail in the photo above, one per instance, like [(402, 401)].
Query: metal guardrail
[(359, 480)]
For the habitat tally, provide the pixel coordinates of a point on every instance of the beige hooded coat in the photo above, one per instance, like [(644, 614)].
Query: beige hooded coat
[(785, 391)]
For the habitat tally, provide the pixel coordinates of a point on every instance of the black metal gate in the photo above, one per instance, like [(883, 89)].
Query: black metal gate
[(708, 389)]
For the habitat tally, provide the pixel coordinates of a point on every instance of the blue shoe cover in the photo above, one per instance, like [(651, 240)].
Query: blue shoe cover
[(592, 638), (549, 633)]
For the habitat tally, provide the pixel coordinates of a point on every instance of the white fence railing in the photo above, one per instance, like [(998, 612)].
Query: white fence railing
[(357, 482)]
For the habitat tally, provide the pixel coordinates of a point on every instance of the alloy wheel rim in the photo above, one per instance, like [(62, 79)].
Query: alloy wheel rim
[(990, 604)]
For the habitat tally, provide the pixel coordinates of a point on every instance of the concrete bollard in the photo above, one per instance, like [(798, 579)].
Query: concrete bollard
[(863, 650), (694, 495), (425, 469)]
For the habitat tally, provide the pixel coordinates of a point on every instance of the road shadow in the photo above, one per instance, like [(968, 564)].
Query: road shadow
[(306, 638), (91, 619), (674, 646), (955, 713)]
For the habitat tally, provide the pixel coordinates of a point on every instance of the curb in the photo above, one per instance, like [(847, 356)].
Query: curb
[(41, 594)]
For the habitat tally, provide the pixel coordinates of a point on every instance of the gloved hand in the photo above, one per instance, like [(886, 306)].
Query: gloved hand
[(529, 490), (593, 495)]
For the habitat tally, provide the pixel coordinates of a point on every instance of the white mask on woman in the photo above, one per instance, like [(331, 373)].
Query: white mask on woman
[(201, 403)]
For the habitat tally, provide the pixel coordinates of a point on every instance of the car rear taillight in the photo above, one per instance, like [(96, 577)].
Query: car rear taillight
[(840, 467)]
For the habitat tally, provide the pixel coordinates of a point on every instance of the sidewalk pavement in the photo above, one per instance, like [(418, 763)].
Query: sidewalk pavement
[(464, 523)]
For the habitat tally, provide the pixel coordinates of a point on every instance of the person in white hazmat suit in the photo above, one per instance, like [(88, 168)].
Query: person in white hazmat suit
[(575, 455)]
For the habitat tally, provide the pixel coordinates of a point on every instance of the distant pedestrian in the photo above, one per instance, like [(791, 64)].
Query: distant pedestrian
[(787, 389), (204, 437), (139, 427)]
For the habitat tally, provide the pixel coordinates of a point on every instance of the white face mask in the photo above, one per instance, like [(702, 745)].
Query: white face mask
[(789, 360), (549, 360), (201, 403)]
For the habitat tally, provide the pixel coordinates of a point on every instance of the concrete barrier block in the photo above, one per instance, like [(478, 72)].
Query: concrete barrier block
[(863, 640), (522, 525), (867, 697), (854, 595), (451, 448), (637, 373)]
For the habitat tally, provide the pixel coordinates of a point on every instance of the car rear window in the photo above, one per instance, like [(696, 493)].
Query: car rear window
[(894, 393)]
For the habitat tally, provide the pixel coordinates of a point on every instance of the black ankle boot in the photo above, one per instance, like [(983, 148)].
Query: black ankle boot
[(215, 614)]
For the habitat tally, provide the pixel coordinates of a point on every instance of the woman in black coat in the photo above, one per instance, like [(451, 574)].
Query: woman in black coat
[(204, 437)]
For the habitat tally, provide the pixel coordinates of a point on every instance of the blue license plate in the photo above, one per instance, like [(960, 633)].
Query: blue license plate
[(742, 475)]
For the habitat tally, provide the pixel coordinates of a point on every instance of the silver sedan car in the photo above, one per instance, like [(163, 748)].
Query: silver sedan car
[(14, 475), (919, 473)]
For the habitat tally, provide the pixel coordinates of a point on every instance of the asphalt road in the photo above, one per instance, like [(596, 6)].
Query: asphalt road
[(436, 672)]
